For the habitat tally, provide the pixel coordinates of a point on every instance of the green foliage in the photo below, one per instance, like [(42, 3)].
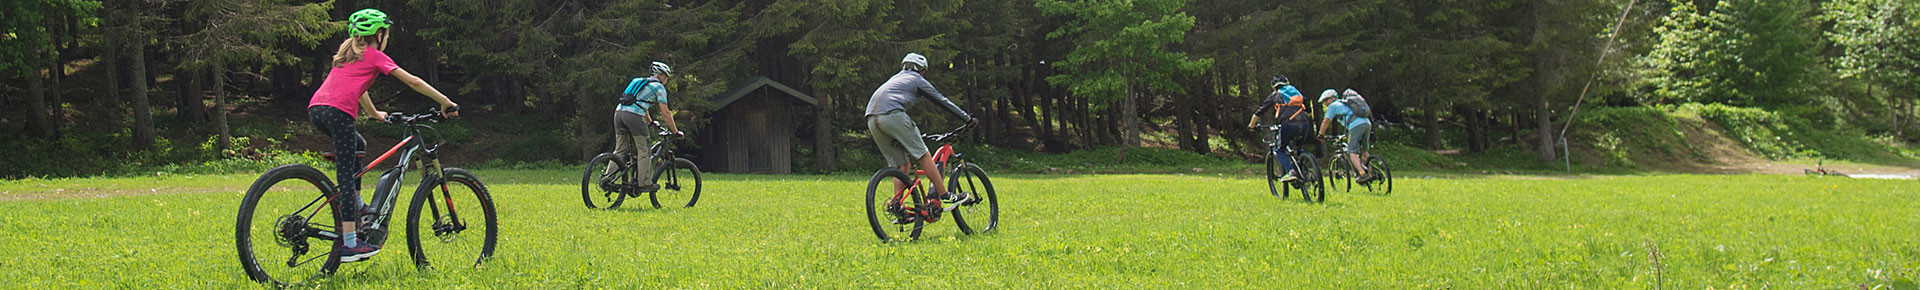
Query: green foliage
[(1766, 132), (1122, 45), (1740, 52), (1095, 231), (251, 31), (26, 43), (1880, 40)]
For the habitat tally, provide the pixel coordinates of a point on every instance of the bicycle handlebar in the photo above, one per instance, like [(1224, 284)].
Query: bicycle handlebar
[(663, 130), (949, 134), (432, 115)]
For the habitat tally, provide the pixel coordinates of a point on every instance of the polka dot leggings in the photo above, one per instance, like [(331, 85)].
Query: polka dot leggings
[(339, 126)]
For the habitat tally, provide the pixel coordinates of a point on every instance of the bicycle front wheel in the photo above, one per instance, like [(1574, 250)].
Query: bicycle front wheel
[(601, 184), (459, 227), (679, 184), (890, 206), (1273, 177), (1379, 166), (984, 204), (1312, 187), (288, 226)]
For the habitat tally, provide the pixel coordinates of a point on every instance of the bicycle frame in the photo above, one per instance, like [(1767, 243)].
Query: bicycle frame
[(662, 155), (942, 160), (384, 197)]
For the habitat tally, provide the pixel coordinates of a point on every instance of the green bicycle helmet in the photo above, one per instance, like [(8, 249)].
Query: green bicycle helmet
[(367, 22)]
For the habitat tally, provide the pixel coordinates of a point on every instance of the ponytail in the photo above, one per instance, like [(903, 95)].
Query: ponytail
[(351, 48)]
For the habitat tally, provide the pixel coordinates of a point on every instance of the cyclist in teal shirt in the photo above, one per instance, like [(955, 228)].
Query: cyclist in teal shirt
[(1358, 128)]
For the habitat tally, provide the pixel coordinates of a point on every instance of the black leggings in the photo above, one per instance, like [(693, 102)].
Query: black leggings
[(338, 125)]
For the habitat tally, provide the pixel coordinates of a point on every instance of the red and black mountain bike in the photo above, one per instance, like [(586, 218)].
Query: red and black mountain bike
[(893, 195), (280, 220)]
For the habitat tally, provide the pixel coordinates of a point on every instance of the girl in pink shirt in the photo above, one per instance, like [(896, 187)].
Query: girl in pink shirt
[(341, 99)]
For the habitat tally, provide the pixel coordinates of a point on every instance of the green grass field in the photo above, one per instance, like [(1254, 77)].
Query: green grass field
[(1057, 231)]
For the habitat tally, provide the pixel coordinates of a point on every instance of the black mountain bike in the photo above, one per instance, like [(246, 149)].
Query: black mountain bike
[(612, 178), (910, 207), (280, 223), (1343, 171), (1307, 170)]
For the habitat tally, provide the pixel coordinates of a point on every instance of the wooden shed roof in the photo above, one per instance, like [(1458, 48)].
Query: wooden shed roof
[(754, 83)]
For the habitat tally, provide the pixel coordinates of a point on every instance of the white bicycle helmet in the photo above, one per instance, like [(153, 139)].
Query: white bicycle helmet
[(914, 62), (1328, 95), (1351, 94), (661, 68)]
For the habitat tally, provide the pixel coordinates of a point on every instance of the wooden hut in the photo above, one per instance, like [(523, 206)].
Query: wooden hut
[(754, 128)]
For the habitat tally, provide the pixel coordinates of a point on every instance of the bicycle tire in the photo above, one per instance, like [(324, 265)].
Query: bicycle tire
[(876, 204), (963, 178), (672, 189), (1273, 179), (1312, 189), (597, 168), (244, 227), (1386, 174), (1331, 174), (448, 226)]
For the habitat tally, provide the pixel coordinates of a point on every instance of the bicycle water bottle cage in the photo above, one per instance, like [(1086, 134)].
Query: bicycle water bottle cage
[(328, 156)]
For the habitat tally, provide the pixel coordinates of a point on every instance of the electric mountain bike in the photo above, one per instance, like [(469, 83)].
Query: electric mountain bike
[(280, 220), (612, 178), (1306, 170), (899, 204)]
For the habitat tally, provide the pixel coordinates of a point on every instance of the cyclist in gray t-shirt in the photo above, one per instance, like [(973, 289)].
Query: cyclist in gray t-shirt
[(895, 132)]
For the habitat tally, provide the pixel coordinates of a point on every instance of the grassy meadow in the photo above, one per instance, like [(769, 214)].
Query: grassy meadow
[(1056, 231)]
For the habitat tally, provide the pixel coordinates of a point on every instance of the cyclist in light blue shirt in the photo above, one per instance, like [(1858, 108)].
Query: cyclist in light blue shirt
[(1358, 128)]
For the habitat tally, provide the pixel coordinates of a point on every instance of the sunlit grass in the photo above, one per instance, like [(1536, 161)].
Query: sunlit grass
[(1099, 231)]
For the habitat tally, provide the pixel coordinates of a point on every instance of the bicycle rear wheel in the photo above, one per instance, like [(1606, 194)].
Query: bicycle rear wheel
[(679, 184), (883, 209), (462, 225), (1379, 166), (290, 222), (605, 167), (971, 179)]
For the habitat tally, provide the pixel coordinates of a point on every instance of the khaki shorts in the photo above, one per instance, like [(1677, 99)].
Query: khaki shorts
[(898, 137)]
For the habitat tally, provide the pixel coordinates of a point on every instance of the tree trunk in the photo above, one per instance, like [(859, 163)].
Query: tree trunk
[(191, 108), (219, 106), (37, 107), (1130, 118), (1205, 120), (591, 137), (54, 73), (1514, 127), (143, 135), (1471, 118), (1430, 119), (1185, 125), (1548, 74), (823, 132), (1543, 118), (111, 102)]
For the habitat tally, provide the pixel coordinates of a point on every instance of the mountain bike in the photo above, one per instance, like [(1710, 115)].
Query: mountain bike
[(1342, 170), (909, 208), (277, 217), (1308, 171), (613, 178)]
